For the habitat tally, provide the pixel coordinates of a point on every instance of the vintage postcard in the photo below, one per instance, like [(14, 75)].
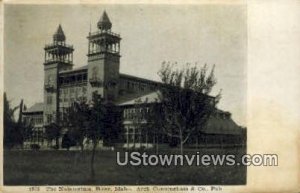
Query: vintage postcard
[(150, 96)]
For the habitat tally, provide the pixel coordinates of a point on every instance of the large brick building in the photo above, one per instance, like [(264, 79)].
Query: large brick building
[(64, 84)]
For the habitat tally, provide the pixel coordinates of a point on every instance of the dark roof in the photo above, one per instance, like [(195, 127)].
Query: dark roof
[(222, 123), (59, 35), (139, 78), (104, 17), (104, 22), (82, 68), (127, 76), (37, 107)]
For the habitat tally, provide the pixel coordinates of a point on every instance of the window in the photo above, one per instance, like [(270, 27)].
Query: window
[(49, 118), (76, 92), (143, 113), (72, 78), (128, 85), (61, 80), (79, 78), (84, 98), (66, 80), (85, 77), (65, 99), (49, 99), (84, 90), (40, 120), (125, 113), (131, 112), (37, 120)]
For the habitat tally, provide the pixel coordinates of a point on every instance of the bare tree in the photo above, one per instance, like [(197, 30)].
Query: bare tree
[(185, 101)]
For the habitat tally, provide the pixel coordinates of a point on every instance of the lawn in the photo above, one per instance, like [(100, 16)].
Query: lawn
[(73, 167)]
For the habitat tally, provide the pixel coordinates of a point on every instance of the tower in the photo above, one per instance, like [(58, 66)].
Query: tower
[(58, 57), (103, 60)]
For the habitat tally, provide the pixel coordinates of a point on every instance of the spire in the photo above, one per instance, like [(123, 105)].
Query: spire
[(59, 36), (104, 22)]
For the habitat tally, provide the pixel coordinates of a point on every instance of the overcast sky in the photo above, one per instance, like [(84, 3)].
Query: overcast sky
[(212, 34)]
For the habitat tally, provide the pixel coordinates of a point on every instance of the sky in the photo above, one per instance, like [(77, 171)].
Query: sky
[(151, 34)]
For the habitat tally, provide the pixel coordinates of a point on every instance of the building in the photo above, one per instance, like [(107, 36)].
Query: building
[(64, 84)]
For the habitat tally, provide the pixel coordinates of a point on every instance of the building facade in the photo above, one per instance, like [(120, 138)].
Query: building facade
[(64, 85)]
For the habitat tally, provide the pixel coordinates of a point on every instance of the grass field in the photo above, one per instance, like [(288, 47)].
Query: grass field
[(73, 167)]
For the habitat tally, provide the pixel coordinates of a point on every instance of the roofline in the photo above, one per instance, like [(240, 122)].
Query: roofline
[(139, 78), (72, 71), (135, 104), (32, 112), (224, 133)]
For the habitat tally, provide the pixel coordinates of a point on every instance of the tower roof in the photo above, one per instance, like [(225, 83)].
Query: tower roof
[(59, 34), (104, 22)]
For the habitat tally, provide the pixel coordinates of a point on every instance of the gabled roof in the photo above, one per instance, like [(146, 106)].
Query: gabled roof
[(37, 107), (134, 98)]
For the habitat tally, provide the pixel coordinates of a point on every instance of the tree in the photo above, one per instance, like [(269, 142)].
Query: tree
[(52, 132), (154, 122), (75, 119), (97, 120), (96, 126), (24, 126), (185, 101), (9, 123), (113, 131), (15, 132), (104, 122)]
